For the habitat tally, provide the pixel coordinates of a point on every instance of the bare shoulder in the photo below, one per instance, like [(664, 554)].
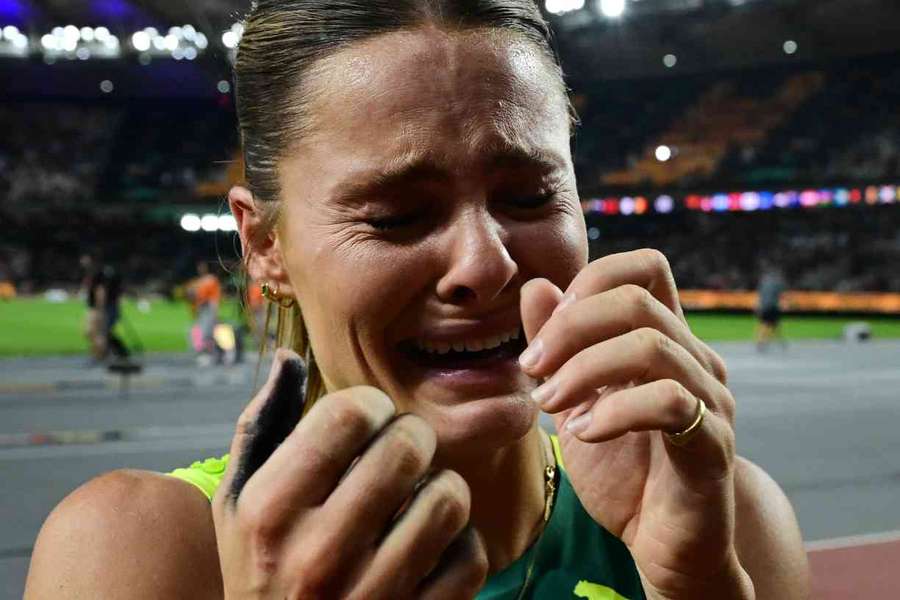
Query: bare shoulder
[(127, 534), (768, 536)]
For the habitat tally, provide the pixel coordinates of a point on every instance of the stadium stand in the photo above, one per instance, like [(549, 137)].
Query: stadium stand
[(124, 170)]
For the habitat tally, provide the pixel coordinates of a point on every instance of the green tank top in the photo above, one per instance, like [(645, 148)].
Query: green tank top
[(574, 557)]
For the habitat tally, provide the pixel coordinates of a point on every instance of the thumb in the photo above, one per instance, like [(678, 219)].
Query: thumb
[(538, 299)]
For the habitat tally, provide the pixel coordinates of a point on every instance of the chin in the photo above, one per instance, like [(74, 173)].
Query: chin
[(481, 426)]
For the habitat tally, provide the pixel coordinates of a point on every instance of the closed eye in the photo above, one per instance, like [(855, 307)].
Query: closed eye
[(532, 201), (392, 222)]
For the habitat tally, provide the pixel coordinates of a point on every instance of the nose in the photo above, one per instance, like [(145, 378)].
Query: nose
[(480, 267)]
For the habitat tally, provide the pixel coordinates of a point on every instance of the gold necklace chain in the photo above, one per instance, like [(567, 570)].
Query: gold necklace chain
[(549, 497)]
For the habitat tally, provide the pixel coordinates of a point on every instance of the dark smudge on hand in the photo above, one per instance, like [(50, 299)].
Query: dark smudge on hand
[(277, 418)]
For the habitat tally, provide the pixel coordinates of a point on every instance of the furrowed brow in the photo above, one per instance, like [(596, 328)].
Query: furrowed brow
[(517, 158), (368, 185)]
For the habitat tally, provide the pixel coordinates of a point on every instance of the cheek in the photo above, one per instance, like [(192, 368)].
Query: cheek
[(556, 250)]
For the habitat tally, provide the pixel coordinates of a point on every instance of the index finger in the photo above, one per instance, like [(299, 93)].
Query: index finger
[(647, 268), (266, 421)]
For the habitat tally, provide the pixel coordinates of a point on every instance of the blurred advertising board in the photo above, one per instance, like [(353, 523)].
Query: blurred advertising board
[(794, 301)]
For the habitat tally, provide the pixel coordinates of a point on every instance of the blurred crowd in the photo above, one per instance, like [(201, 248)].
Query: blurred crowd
[(112, 177)]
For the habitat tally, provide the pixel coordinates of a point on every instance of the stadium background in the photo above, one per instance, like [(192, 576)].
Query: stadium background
[(730, 134)]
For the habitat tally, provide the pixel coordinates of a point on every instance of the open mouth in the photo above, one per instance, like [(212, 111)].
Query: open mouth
[(464, 355)]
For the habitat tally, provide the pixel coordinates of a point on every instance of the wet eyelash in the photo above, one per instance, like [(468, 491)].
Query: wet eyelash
[(388, 223), (534, 201)]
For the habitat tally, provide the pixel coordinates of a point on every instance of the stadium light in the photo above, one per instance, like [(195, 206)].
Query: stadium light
[(87, 34), (70, 32), (223, 87), (664, 204), (10, 32), (670, 60), (170, 42), (558, 7), (229, 39), (789, 47), (227, 223), (190, 222), (663, 153), (140, 40), (612, 9), (106, 86), (209, 222)]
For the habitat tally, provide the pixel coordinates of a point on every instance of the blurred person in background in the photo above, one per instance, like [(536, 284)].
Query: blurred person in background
[(103, 288), (768, 307), (205, 293), (93, 319), (411, 205)]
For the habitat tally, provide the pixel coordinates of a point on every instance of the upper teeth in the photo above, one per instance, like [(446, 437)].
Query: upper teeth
[(471, 345)]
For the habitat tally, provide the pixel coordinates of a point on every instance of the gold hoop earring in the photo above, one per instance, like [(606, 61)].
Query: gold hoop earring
[(271, 294)]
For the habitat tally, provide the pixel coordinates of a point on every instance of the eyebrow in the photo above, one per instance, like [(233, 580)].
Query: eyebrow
[(416, 169)]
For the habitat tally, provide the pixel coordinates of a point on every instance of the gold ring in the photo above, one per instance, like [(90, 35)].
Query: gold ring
[(686, 435)]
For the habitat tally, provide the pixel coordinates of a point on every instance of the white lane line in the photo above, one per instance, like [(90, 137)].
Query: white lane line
[(852, 541), (115, 448)]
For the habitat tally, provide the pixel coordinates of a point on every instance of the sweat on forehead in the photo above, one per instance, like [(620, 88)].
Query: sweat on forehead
[(430, 79)]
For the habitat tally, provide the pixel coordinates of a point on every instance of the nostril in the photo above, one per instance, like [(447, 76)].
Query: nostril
[(461, 293)]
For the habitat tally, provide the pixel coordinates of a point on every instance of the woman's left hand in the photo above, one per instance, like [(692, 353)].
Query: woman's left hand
[(622, 368)]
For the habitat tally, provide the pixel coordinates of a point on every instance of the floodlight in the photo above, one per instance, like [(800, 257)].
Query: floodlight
[(663, 153), (209, 222), (141, 41), (190, 222), (229, 39), (612, 9)]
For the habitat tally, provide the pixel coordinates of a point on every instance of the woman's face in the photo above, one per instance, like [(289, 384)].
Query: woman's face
[(434, 181)]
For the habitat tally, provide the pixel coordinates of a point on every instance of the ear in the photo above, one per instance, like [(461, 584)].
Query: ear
[(259, 242)]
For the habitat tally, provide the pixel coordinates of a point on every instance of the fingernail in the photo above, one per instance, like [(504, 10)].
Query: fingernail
[(578, 424), (542, 393), (566, 301), (532, 354)]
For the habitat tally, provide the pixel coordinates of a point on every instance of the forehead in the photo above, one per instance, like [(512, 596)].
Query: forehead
[(452, 96)]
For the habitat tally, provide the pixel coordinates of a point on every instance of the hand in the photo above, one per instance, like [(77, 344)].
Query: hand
[(623, 367), (342, 505)]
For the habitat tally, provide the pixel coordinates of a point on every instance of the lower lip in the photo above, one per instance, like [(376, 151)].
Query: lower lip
[(494, 375)]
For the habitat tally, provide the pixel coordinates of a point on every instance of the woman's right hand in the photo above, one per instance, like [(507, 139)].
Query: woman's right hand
[(344, 504)]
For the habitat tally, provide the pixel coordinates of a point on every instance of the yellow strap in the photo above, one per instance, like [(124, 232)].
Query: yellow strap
[(204, 475), (595, 591)]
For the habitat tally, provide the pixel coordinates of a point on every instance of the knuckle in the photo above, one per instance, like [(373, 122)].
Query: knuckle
[(678, 401), (719, 368), (246, 424), (410, 442), (727, 406), (255, 519), (452, 499), (356, 409), (477, 566), (656, 344), (654, 260), (636, 296)]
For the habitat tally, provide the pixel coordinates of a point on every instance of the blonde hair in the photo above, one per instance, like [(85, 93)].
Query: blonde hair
[(291, 332)]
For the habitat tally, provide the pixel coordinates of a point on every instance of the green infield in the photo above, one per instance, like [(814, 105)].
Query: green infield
[(38, 327)]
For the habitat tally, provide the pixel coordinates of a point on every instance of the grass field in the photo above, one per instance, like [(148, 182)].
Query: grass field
[(37, 327)]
